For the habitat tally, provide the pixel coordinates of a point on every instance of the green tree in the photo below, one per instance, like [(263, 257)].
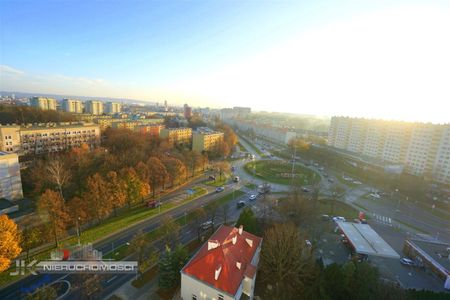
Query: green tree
[(248, 220), (167, 277)]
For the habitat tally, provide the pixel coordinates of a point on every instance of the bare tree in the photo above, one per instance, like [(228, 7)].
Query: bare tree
[(58, 174)]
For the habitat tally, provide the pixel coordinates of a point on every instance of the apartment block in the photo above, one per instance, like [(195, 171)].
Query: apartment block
[(93, 107), (43, 103), (279, 135), (152, 130), (113, 108), (224, 268), (10, 182), (423, 149), (177, 136), (47, 137), (205, 139), (72, 106)]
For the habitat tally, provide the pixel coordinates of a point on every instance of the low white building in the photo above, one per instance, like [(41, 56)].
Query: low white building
[(224, 267), (10, 182)]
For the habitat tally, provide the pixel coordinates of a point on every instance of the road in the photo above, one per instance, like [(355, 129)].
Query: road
[(16, 290)]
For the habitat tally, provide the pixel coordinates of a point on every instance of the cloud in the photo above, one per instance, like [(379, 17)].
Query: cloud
[(7, 70)]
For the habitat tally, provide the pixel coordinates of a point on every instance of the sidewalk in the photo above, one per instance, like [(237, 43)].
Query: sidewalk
[(129, 292)]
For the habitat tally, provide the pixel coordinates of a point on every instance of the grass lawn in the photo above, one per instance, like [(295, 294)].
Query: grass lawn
[(251, 186), (253, 146), (279, 172), (337, 208), (118, 253), (218, 182)]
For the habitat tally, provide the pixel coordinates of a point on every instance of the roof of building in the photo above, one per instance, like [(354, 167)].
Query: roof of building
[(435, 252), (225, 259), (365, 240)]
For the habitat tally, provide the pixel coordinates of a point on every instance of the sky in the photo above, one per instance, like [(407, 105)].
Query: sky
[(376, 59)]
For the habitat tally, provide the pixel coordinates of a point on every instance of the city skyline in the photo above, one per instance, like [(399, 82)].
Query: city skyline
[(366, 60)]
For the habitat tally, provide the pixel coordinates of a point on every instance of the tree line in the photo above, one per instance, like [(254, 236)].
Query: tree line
[(26, 114)]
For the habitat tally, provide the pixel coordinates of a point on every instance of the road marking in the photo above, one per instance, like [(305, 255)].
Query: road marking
[(111, 279)]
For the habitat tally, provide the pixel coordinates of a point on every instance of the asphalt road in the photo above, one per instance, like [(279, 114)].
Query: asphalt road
[(20, 288)]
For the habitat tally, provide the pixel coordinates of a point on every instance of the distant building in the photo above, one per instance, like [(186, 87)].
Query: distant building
[(93, 107), (113, 108), (280, 135), (205, 139), (242, 110), (43, 103), (422, 148), (187, 111), (177, 136), (47, 137), (224, 267), (10, 182), (152, 130), (72, 106)]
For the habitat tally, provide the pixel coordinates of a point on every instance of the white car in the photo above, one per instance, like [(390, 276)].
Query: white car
[(335, 219), (207, 225), (252, 197), (357, 182), (377, 196), (407, 262)]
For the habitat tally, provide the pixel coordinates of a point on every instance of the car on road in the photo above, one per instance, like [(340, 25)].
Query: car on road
[(407, 262), (153, 204), (236, 179), (337, 218), (375, 195), (308, 243), (233, 168), (207, 224), (306, 190), (357, 182), (240, 204), (212, 177), (252, 197), (325, 217), (220, 189)]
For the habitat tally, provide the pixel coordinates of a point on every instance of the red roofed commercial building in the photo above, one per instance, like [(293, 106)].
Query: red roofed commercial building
[(224, 267)]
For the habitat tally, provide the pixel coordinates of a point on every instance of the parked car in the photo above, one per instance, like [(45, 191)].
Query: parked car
[(207, 224), (325, 217), (240, 204), (153, 204), (308, 243), (252, 197), (220, 189), (236, 179), (407, 262), (375, 195), (357, 182), (212, 177), (305, 190)]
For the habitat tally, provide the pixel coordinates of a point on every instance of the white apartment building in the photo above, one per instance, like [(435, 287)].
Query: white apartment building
[(224, 268), (47, 137), (113, 107), (276, 134), (10, 182), (72, 106), (93, 107), (43, 103), (422, 148)]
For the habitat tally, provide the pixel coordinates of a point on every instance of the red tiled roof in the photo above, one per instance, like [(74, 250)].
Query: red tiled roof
[(204, 264)]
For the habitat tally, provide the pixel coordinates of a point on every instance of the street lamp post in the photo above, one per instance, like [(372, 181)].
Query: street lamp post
[(78, 229)]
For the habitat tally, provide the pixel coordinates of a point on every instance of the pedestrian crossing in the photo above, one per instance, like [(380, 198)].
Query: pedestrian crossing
[(382, 219)]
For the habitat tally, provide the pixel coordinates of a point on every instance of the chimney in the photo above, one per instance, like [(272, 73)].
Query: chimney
[(238, 265), (249, 242), (213, 244), (241, 228), (217, 272), (234, 240)]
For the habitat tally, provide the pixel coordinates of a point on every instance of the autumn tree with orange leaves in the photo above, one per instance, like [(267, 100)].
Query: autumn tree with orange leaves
[(97, 203), (9, 242), (51, 206), (157, 173)]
